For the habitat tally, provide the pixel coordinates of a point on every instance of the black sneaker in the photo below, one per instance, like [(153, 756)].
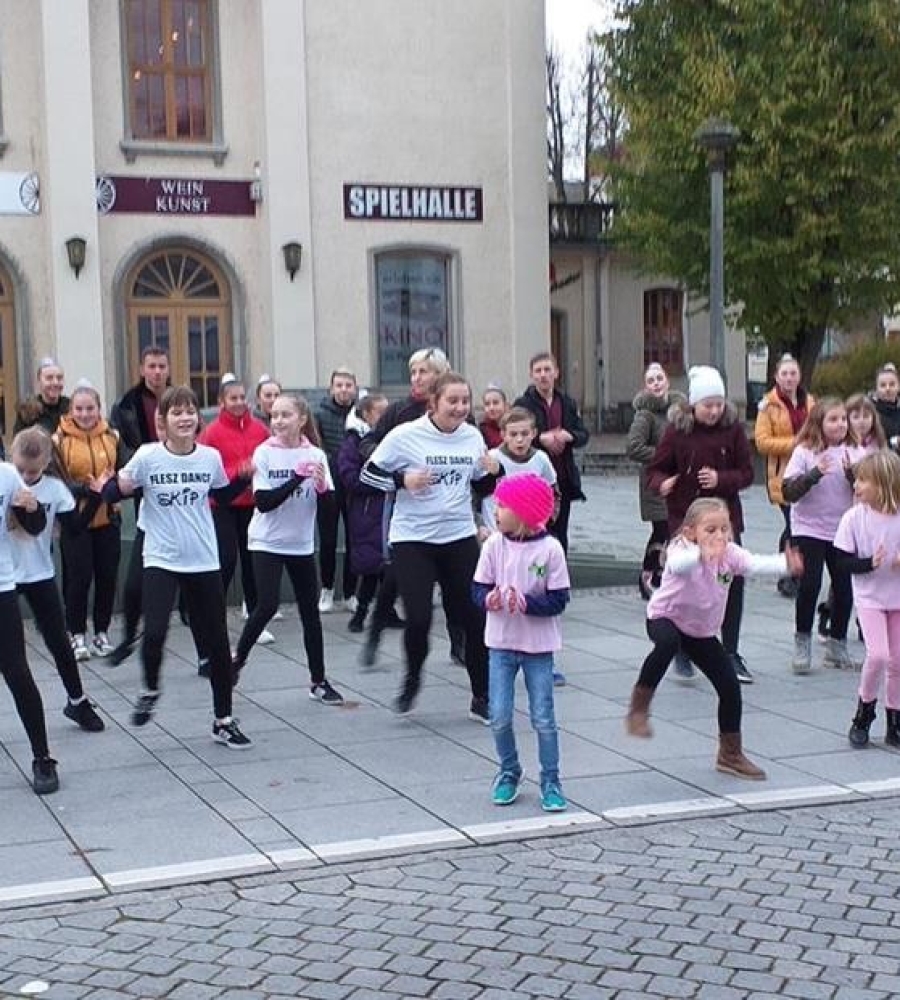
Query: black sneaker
[(203, 667), (369, 654), (143, 710), (121, 653), (44, 780), (326, 694), (740, 668), (403, 704), (479, 711), (788, 586), (229, 735), (82, 713), (357, 621)]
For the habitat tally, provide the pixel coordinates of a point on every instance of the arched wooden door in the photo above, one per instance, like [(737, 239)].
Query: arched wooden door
[(179, 300), (9, 382)]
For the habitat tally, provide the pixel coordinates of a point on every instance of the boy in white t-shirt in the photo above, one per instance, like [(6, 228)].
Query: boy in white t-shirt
[(522, 582)]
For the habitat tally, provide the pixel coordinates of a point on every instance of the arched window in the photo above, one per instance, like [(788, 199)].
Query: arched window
[(412, 308), (8, 357), (663, 330), (180, 301)]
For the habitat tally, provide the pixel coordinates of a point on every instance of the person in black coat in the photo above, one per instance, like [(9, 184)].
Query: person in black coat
[(885, 398), (560, 431)]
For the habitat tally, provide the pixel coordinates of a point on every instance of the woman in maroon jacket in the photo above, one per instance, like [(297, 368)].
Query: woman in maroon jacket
[(236, 434), (704, 452)]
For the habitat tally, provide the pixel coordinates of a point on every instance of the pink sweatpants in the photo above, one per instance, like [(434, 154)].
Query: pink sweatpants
[(881, 631)]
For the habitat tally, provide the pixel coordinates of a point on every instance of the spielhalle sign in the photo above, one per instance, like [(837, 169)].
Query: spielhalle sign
[(413, 203)]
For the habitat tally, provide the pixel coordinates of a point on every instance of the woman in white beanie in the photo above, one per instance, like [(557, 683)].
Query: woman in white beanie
[(704, 452)]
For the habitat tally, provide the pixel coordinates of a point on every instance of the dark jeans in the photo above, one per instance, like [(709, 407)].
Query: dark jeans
[(91, 555), (332, 508), (560, 527), (15, 671), (418, 566), (817, 554), (710, 657), (205, 600), (301, 571), (46, 606)]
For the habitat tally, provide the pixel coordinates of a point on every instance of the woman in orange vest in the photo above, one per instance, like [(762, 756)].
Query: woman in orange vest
[(89, 452), (781, 414)]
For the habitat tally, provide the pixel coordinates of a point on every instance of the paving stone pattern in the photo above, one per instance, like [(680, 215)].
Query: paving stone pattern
[(800, 903)]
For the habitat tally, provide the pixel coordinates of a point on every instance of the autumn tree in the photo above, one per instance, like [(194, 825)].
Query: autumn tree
[(813, 188)]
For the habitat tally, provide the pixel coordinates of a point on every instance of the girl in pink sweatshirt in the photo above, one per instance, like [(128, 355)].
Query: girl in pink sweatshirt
[(868, 544), (686, 612)]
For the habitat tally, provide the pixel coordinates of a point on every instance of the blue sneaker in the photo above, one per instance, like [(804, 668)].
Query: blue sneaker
[(559, 679), (553, 800), (506, 789)]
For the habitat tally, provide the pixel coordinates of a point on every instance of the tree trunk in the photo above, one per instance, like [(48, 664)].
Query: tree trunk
[(806, 347)]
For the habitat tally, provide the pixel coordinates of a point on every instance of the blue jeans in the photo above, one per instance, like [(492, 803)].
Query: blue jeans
[(537, 669)]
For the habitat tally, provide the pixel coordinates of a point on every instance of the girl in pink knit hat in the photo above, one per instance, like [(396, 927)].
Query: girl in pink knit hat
[(522, 583)]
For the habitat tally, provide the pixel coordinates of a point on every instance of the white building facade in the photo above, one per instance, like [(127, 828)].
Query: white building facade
[(282, 186)]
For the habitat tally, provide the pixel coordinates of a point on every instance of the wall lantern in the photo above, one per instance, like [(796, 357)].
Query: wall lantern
[(75, 250), (292, 255)]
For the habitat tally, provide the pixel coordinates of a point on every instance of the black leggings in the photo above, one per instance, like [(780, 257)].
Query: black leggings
[(331, 510), (301, 571), (91, 555), (44, 600), (205, 599), (418, 566), (817, 554), (15, 671), (710, 657), (231, 537)]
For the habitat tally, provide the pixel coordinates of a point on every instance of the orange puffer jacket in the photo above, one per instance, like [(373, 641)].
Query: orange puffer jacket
[(83, 454), (774, 438)]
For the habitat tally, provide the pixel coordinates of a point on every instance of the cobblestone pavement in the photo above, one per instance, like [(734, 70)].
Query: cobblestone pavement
[(794, 904)]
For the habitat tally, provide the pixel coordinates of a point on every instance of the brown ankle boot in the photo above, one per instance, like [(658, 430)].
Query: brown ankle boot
[(637, 721), (731, 759)]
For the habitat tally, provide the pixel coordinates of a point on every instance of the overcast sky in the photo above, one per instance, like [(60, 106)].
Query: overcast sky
[(568, 21)]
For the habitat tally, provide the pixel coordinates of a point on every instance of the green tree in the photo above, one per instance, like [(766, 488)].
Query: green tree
[(812, 203)]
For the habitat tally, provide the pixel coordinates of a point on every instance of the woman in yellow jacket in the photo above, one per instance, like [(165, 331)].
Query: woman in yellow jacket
[(89, 452), (781, 414)]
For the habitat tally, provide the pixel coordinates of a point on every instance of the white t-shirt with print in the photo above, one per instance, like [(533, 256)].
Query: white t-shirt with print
[(175, 514), (442, 512), (33, 554), (289, 529), (10, 484)]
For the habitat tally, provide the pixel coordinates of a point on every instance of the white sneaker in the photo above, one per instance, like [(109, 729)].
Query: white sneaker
[(265, 638), (79, 648), (326, 601), (100, 645), (351, 604), (278, 616), (244, 614)]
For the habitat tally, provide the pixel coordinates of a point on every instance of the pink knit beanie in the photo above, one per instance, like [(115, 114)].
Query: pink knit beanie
[(528, 496)]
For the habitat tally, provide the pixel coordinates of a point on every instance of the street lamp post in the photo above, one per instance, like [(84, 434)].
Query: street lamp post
[(717, 136)]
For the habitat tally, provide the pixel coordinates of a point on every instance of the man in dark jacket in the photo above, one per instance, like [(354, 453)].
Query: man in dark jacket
[(331, 420), (134, 417), (559, 432)]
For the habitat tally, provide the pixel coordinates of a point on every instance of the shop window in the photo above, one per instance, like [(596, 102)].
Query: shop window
[(170, 66), (412, 292), (663, 329)]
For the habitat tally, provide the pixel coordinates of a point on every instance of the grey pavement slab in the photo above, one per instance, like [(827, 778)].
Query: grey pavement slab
[(164, 804)]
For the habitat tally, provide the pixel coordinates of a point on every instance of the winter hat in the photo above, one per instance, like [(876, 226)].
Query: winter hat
[(704, 383), (528, 496)]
